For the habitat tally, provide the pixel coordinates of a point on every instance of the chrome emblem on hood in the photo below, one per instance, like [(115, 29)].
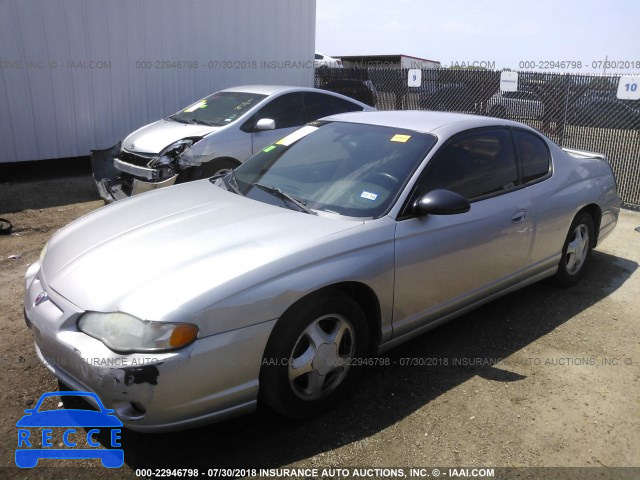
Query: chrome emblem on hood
[(41, 298)]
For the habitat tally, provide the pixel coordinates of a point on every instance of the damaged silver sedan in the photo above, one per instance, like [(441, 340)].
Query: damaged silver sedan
[(276, 281), (211, 136)]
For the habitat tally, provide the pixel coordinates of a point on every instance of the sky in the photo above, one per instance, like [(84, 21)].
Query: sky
[(505, 32)]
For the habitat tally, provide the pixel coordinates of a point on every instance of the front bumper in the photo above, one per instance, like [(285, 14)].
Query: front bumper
[(213, 379), (118, 183)]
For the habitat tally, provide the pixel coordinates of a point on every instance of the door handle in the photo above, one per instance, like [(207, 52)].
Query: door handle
[(519, 216)]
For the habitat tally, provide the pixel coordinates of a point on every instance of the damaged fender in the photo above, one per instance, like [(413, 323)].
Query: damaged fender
[(103, 171), (108, 178)]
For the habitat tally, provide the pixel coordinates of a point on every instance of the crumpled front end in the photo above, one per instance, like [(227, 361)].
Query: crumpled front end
[(214, 378), (119, 174)]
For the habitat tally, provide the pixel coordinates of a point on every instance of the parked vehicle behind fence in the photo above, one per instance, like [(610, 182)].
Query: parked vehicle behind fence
[(520, 104)]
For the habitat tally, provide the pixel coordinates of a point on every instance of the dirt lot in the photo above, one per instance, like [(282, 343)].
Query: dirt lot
[(543, 377)]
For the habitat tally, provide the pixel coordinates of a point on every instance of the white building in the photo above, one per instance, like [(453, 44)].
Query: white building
[(78, 75)]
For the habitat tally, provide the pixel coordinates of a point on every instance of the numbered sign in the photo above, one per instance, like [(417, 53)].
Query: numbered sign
[(509, 82), (415, 77), (629, 88)]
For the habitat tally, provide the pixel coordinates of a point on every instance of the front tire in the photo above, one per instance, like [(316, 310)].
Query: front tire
[(576, 251), (311, 359)]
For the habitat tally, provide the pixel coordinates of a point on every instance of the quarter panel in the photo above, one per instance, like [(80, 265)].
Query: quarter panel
[(575, 183)]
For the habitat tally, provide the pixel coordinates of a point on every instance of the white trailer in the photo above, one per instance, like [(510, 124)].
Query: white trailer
[(78, 75)]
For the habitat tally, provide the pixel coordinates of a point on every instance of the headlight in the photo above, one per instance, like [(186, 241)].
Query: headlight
[(173, 151), (125, 333)]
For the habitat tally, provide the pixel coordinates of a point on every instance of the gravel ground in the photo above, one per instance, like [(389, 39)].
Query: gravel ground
[(543, 377)]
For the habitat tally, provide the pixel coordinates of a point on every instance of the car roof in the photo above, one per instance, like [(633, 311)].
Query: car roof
[(423, 120), (280, 89), (270, 89)]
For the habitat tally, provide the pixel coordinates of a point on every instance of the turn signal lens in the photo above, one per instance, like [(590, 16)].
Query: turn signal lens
[(183, 335)]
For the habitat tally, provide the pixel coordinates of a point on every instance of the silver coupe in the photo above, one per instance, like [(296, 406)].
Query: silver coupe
[(273, 282)]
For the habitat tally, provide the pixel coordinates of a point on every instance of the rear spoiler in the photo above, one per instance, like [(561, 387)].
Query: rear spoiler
[(584, 154)]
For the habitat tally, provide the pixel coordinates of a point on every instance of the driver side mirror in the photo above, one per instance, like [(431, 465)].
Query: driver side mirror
[(441, 202), (265, 124)]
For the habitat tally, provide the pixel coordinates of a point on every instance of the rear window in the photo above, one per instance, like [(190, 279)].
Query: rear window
[(534, 155), (319, 105)]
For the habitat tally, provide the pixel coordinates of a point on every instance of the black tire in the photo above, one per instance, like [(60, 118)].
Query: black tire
[(576, 251), (63, 387), (206, 170), (331, 374)]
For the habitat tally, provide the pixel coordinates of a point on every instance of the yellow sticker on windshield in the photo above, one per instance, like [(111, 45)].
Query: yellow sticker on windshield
[(269, 148), (400, 138), (297, 135), (195, 106)]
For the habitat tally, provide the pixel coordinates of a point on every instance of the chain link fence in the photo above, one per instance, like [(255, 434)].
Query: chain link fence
[(575, 111)]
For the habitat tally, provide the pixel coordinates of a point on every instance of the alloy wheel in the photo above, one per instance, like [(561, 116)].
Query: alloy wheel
[(577, 249), (321, 357)]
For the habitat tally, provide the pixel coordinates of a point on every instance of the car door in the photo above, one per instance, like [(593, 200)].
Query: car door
[(447, 262), (288, 113)]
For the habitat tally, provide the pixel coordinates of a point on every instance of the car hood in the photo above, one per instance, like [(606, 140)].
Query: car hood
[(156, 136), (152, 253)]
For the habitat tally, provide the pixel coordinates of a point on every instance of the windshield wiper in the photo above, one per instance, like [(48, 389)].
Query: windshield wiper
[(235, 188), (235, 185), (176, 119), (279, 193), (199, 122)]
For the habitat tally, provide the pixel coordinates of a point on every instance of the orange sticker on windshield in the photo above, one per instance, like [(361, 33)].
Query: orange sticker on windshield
[(400, 138)]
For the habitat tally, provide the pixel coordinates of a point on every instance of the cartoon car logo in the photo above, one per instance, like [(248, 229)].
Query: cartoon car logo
[(72, 420)]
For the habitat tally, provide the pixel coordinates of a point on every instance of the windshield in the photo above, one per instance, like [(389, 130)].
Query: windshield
[(218, 109), (345, 168)]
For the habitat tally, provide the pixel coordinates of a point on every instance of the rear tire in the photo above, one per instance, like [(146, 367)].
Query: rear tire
[(311, 359), (576, 251), (63, 387)]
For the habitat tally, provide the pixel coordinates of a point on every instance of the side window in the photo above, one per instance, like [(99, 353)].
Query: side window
[(534, 155), (473, 164), (286, 110), (319, 105)]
